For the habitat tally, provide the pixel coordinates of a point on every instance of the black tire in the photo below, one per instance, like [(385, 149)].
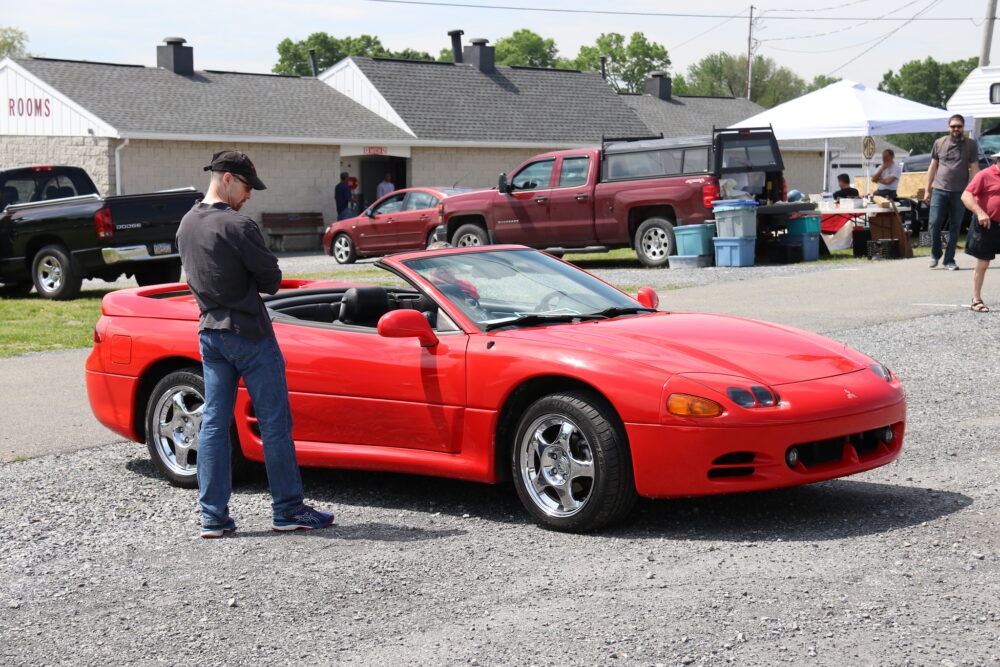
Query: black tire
[(156, 273), (589, 486), (469, 235), (54, 274), (172, 431), (655, 242), (343, 249), (16, 289)]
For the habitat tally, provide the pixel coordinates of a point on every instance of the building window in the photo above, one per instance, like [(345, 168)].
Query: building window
[(995, 93)]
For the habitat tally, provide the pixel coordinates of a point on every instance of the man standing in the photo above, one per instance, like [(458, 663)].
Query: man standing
[(385, 186), (228, 265), (886, 177), (344, 197), (982, 197), (954, 160)]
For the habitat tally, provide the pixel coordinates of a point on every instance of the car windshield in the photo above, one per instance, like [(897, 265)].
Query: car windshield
[(511, 288)]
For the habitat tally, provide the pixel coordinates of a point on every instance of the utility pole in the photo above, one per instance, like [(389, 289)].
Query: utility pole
[(991, 14), (750, 48), (984, 54)]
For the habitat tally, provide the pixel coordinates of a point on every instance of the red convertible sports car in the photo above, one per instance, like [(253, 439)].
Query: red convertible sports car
[(503, 363), (401, 220)]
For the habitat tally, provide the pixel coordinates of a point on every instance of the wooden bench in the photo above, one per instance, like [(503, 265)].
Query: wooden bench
[(279, 226)]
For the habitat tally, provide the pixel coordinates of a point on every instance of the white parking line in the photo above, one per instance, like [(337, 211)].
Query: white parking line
[(942, 305)]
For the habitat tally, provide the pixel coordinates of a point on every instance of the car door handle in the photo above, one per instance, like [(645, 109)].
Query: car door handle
[(541, 200), (580, 197)]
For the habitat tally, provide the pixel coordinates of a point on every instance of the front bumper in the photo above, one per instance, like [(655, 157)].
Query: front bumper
[(833, 437)]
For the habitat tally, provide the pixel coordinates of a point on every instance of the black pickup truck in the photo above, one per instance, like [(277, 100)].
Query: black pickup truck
[(56, 230)]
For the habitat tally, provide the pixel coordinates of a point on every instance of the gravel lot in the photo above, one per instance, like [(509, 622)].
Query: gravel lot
[(100, 561)]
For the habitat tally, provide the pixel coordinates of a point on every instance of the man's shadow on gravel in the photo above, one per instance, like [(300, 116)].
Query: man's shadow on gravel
[(823, 511)]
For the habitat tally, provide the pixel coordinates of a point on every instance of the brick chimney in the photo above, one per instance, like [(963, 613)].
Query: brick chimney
[(175, 57), (480, 55), (658, 85)]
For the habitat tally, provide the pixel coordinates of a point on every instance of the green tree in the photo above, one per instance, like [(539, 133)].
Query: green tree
[(725, 74), (13, 43), (526, 48), (821, 81), (928, 82), (293, 57), (628, 63)]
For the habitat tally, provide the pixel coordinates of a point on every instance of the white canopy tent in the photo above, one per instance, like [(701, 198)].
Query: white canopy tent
[(848, 109)]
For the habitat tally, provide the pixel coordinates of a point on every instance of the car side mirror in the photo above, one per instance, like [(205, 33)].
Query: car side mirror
[(369, 213), (503, 185), (648, 297), (407, 324)]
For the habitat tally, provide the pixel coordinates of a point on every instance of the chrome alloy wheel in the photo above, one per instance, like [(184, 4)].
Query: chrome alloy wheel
[(468, 240), (556, 464), (50, 273), (655, 243), (178, 415), (343, 248)]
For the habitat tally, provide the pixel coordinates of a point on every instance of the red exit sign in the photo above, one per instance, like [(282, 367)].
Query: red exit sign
[(375, 150)]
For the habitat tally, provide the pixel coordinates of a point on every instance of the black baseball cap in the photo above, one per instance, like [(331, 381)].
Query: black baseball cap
[(237, 162)]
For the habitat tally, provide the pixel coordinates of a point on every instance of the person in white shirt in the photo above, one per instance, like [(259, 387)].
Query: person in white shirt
[(886, 177), (385, 186)]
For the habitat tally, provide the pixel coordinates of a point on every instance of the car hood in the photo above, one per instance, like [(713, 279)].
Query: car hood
[(703, 343)]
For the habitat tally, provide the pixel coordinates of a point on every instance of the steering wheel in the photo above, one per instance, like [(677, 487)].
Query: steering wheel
[(549, 302)]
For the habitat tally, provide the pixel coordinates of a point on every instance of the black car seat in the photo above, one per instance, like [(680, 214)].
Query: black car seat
[(364, 305), (10, 196), (420, 302)]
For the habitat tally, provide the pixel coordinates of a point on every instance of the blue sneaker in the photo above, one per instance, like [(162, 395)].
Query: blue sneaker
[(306, 519), (219, 531)]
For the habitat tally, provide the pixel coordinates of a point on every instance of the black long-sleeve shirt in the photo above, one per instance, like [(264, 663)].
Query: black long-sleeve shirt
[(227, 265)]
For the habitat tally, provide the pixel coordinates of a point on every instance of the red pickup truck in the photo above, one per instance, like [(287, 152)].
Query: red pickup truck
[(627, 193)]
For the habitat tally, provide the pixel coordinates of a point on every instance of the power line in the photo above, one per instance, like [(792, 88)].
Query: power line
[(668, 14), (888, 35), (838, 30)]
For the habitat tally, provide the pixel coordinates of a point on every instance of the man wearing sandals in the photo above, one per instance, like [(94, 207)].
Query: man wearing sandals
[(982, 197)]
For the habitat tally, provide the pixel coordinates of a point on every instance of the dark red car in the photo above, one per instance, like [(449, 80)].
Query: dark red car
[(401, 220)]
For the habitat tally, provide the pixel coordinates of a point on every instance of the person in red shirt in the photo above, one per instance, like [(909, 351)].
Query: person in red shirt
[(982, 197)]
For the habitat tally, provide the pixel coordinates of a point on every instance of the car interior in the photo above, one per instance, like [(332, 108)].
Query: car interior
[(359, 306)]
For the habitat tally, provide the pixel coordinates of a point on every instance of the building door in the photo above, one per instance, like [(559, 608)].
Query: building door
[(373, 169)]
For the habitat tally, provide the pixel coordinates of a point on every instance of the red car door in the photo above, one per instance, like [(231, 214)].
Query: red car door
[(354, 387), (417, 219), (571, 202), (377, 225), (521, 215)]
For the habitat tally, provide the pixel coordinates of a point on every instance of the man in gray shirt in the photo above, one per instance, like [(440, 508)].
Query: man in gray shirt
[(954, 161), (227, 265)]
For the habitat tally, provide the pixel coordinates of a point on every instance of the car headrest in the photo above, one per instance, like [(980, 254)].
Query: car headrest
[(65, 191), (51, 192), (10, 195), (364, 305)]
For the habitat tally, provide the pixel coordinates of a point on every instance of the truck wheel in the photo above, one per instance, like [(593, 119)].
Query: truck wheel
[(54, 275), (470, 235), (571, 464), (654, 242), (343, 249), (173, 421), (158, 273)]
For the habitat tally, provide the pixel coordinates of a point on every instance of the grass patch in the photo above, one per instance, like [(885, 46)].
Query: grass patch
[(33, 324), (364, 276), (621, 258)]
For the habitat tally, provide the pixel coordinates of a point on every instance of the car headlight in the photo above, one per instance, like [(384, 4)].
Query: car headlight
[(754, 397), (881, 371)]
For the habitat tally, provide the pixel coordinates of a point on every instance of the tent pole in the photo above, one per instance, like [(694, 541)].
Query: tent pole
[(826, 164)]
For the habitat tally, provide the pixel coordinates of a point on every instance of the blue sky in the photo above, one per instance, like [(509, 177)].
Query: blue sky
[(243, 35)]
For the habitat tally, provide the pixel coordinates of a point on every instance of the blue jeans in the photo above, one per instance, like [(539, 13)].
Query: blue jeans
[(946, 205), (226, 357)]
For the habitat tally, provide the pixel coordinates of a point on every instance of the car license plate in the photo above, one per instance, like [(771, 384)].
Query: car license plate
[(162, 248)]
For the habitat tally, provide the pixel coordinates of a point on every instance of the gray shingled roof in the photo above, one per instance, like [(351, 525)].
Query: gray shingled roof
[(151, 99), (683, 116), (457, 102)]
